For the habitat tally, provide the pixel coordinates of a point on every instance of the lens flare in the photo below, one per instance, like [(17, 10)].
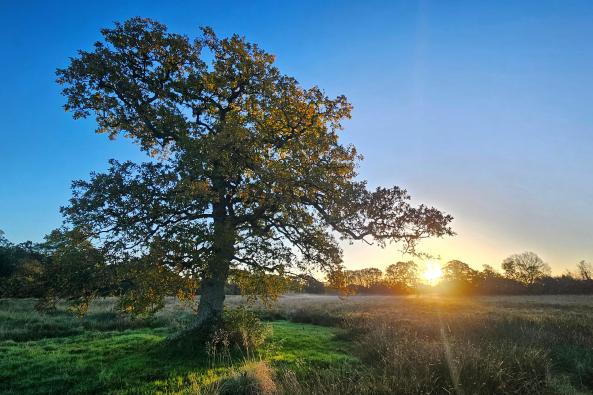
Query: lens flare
[(432, 272)]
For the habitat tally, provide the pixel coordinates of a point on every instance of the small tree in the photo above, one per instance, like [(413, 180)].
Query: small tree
[(247, 170), (525, 268)]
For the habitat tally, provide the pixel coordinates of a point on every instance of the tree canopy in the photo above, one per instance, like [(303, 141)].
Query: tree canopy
[(525, 268), (403, 275), (245, 170)]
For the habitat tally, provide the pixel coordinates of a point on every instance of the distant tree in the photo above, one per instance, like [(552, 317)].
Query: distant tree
[(247, 170), (337, 282), (491, 282), (355, 279), (73, 270), (367, 280), (525, 268), (402, 276), (370, 276), (584, 270), (456, 270), (564, 284), (459, 277), (20, 267), (349, 278), (310, 284), (489, 272), (7, 261)]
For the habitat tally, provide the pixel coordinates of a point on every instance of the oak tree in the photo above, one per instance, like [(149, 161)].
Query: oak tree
[(245, 170)]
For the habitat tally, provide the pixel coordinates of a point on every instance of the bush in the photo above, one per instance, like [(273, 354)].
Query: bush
[(240, 330)]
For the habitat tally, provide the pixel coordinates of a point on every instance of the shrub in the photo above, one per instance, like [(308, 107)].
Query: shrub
[(240, 330)]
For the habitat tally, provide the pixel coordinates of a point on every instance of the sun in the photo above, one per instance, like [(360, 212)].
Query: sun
[(432, 272)]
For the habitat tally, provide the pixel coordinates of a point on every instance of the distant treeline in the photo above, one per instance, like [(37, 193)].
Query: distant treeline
[(71, 269), (521, 274)]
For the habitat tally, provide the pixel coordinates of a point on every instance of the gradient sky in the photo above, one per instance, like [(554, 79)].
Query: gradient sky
[(483, 109)]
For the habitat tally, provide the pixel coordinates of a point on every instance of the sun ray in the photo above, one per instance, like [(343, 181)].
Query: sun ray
[(432, 272)]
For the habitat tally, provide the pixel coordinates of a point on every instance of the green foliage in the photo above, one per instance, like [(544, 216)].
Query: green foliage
[(261, 285), (144, 285), (74, 270), (21, 266)]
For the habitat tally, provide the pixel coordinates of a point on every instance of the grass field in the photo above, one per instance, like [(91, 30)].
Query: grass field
[(317, 344)]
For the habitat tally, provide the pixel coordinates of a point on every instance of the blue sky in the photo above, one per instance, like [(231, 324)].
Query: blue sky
[(483, 109)]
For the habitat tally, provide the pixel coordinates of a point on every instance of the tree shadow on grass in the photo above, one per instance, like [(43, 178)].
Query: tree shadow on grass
[(98, 362)]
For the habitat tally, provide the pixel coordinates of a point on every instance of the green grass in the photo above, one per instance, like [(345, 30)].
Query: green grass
[(91, 362), (134, 361), (311, 343), (20, 322)]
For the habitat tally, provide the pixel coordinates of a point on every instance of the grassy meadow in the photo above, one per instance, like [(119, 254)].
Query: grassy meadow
[(314, 345)]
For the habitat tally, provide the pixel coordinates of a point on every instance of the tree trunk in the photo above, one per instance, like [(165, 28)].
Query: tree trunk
[(212, 298), (215, 276)]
